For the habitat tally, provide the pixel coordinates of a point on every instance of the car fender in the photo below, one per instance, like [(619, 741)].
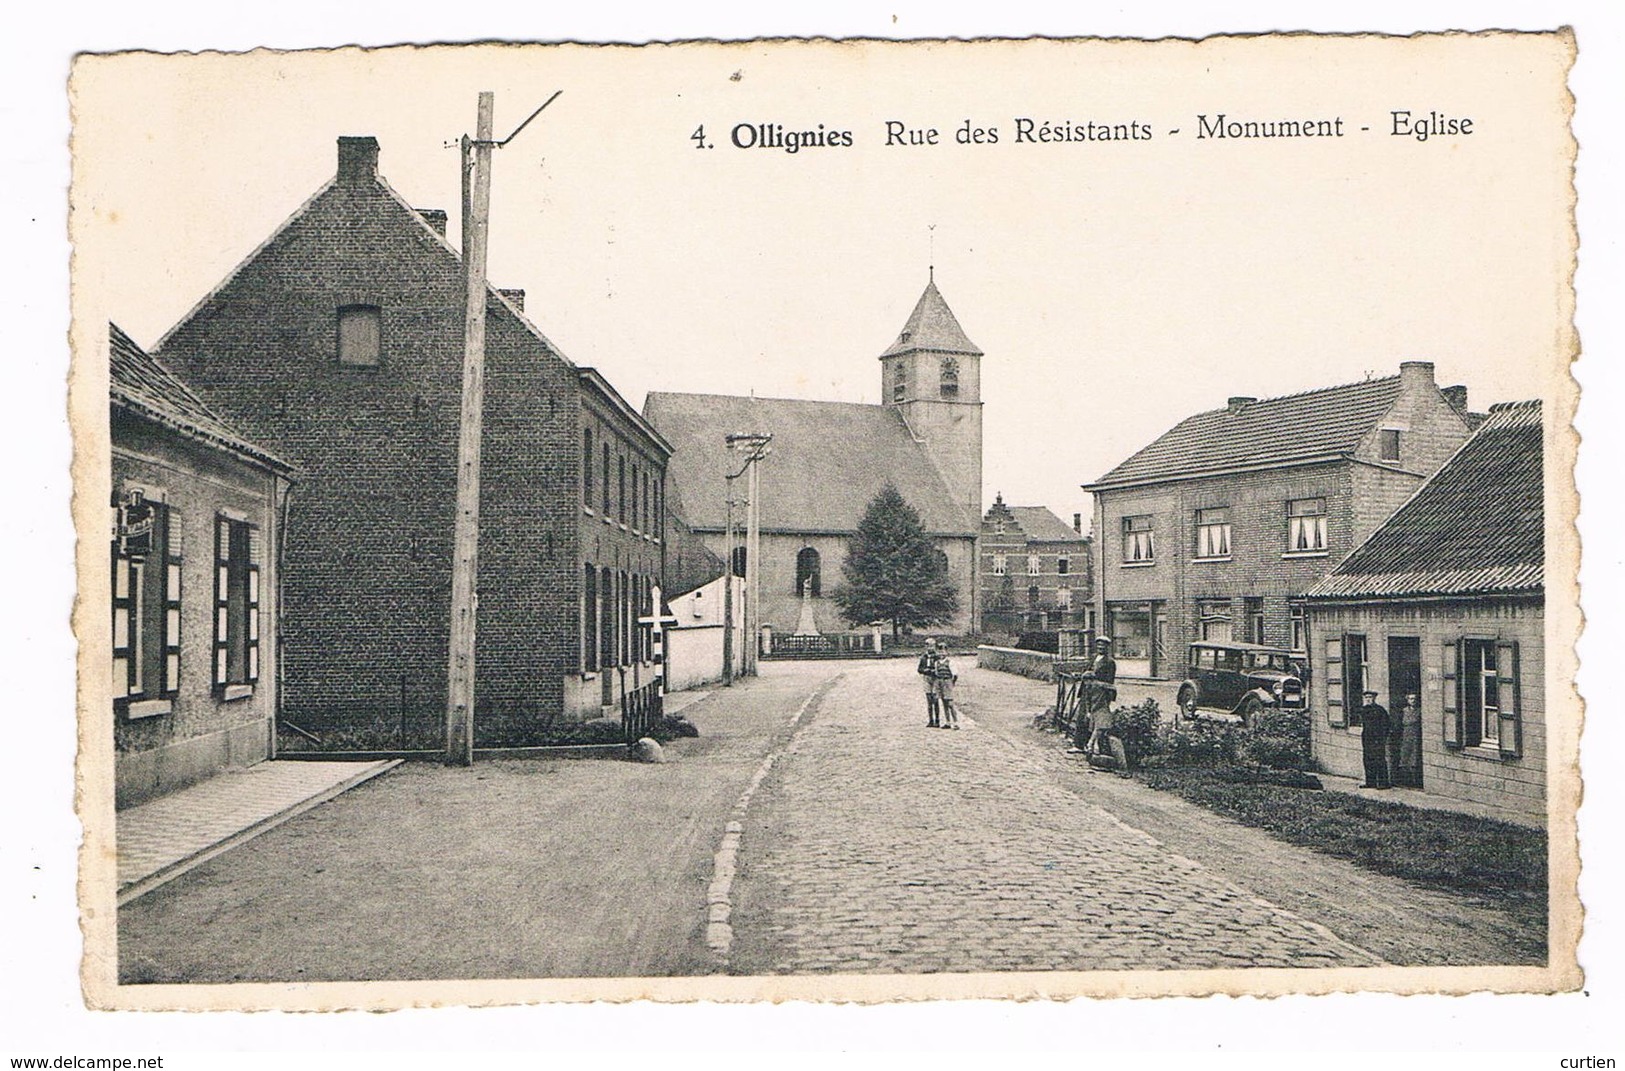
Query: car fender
[(1264, 695)]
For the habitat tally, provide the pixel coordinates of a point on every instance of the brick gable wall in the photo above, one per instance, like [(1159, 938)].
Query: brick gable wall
[(367, 577)]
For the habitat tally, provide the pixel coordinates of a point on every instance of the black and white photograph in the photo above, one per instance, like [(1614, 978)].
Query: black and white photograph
[(827, 520)]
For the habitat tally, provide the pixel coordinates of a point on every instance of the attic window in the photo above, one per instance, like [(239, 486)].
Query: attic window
[(1389, 447), (360, 335)]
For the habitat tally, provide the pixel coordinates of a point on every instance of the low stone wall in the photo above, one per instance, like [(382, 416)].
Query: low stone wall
[(1039, 665)]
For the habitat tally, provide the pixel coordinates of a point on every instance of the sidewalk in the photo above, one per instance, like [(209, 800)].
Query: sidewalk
[(164, 838)]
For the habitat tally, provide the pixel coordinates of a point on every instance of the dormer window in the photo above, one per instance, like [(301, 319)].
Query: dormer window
[(1388, 448), (360, 335), (950, 378)]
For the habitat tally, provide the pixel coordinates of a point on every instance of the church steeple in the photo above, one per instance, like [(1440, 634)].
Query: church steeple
[(932, 375)]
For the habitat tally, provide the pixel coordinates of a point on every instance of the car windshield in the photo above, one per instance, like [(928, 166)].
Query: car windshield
[(1266, 660)]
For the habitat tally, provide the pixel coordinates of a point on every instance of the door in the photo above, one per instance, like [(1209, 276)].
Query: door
[(1404, 683)]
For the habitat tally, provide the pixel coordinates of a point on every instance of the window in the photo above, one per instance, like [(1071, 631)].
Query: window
[(998, 526), (1032, 595), (606, 479), (899, 383), (950, 378), (739, 561), (589, 620), (1213, 617), (360, 335), (660, 508), (586, 467), (1034, 565), (643, 499), (620, 497), (236, 603), (1138, 544), (1388, 446), (1480, 696), (999, 564), (1213, 532), (1063, 565), (146, 563), (1306, 526), (1300, 627), (1063, 598), (1255, 621), (606, 619), (637, 500), (807, 572), (1356, 670)]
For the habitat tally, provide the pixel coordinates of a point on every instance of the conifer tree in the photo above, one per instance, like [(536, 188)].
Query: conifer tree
[(893, 570)]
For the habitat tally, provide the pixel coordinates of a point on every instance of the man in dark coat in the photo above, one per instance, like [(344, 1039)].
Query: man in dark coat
[(1099, 690), (927, 669), (1376, 726)]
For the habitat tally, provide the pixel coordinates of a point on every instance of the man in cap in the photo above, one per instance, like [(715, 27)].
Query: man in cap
[(1099, 692), (1375, 727)]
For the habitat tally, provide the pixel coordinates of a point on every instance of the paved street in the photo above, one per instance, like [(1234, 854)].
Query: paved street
[(868, 843), (881, 845)]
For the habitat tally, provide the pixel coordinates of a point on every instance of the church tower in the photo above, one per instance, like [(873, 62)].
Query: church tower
[(932, 376)]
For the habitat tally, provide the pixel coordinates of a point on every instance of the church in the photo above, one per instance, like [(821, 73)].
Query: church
[(830, 459)]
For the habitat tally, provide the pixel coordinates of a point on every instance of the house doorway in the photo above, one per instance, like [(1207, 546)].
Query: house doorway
[(1405, 680)]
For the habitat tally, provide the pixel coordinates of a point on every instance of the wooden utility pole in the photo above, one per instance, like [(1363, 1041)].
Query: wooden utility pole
[(728, 589), (753, 548), (757, 444), (465, 568)]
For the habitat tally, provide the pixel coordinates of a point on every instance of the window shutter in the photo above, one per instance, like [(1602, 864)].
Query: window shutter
[(123, 609), (1336, 716), (222, 600), (170, 681), (251, 608), (1510, 729), (1450, 696)]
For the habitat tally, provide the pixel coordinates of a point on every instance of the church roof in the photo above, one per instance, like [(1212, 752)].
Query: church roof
[(932, 327), (1476, 527), (829, 459)]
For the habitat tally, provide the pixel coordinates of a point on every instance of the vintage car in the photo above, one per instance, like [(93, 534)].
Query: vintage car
[(1239, 680)]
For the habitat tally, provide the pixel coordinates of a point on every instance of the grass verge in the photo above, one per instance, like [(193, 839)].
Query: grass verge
[(1498, 862)]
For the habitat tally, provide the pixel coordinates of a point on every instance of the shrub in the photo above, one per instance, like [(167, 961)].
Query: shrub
[(1279, 739), (1202, 743), (1140, 728)]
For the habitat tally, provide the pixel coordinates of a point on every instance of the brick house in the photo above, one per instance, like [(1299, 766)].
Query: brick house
[(1217, 528), (1036, 569), (830, 459), (194, 548), (1446, 600), (338, 342)]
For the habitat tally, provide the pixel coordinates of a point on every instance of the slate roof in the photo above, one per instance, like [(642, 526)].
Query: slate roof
[(1319, 424), (1042, 526), (829, 460), (1477, 527), (932, 327), (138, 384)]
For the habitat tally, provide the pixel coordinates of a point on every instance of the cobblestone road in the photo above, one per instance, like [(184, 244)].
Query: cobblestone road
[(879, 845)]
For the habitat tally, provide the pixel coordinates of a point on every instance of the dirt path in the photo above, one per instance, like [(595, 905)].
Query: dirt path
[(522, 868), (1405, 923)]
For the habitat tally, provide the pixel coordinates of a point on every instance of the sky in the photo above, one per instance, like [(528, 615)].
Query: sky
[(1114, 286)]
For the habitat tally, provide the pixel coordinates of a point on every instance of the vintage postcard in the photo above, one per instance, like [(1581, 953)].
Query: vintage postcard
[(835, 520)]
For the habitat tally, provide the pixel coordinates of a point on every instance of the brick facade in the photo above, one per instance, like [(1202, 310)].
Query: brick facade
[(1012, 590), (1251, 591), (1512, 783), (368, 569)]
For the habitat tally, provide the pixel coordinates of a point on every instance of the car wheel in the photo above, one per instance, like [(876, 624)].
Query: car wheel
[(1187, 701), (1251, 708)]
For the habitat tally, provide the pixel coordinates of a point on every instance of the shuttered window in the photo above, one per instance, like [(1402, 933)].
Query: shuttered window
[(146, 603), (1336, 714), (1450, 693), (236, 603), (1509, 737), (1355, 672)]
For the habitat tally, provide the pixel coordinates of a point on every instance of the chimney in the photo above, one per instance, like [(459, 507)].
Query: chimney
[(515, 297), (1238, 403), (1077, 523), (358, 160), (1415, 377), (436, 218), (1457, 397)]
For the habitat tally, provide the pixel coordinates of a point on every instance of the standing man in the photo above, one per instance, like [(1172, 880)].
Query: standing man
[(1375, 728), (927, 669), (944, 677), (1099, 690), (1407, 769)]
